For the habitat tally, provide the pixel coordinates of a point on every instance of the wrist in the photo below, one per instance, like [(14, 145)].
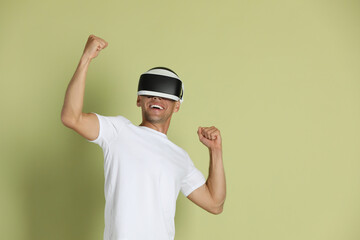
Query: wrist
[(215, 150), (85, 60)]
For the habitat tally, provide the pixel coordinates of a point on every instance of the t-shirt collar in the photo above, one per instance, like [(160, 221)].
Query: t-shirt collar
[(154, 131)]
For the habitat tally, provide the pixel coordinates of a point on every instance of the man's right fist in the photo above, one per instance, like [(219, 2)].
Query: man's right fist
[(93, 46)]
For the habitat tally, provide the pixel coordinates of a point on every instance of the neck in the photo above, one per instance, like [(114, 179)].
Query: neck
[(161, 127)]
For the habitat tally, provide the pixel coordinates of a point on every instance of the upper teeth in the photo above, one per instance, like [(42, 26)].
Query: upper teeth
[(156, 106)]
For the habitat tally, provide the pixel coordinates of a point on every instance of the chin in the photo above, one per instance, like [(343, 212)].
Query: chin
[(152, 119)]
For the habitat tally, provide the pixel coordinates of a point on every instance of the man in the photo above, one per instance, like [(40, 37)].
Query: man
[(145, 171)]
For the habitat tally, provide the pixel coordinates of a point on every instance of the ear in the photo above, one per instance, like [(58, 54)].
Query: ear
[(177, 106), (138, 100)]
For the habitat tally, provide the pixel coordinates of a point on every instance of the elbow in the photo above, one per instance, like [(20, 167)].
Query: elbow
[(219, 209), (69, 118), (67, 121), (218, 206)]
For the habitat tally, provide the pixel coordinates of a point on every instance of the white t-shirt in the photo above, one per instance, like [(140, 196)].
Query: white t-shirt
[(144, 173)]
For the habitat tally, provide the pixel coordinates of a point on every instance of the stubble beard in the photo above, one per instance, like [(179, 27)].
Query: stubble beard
[(154, 119)]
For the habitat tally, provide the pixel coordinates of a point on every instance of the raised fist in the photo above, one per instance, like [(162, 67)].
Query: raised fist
[(210, 137), (93, 46)]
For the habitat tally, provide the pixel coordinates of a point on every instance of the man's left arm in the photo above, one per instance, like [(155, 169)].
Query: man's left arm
[(211, 196)]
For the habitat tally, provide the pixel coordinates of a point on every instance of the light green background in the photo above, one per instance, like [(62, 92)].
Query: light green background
[(280, 79)]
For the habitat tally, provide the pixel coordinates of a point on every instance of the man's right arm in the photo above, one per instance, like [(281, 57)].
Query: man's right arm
[(86, 124)]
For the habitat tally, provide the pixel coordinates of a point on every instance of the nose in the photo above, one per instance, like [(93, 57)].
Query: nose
[(156, 97)]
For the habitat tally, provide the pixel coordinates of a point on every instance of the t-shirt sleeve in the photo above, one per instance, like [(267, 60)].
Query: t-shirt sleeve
[(110, 127), (193, 180)]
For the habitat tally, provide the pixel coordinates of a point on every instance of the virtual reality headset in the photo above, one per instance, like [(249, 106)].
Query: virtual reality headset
[(161, 82)]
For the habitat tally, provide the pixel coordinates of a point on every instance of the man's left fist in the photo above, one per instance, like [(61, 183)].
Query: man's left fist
[(210, 137)]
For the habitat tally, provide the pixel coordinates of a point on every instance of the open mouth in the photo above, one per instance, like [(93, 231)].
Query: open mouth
[(156, 107)]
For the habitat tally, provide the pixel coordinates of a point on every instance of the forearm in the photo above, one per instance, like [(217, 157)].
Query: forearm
[(216, 179), (74, 96)]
